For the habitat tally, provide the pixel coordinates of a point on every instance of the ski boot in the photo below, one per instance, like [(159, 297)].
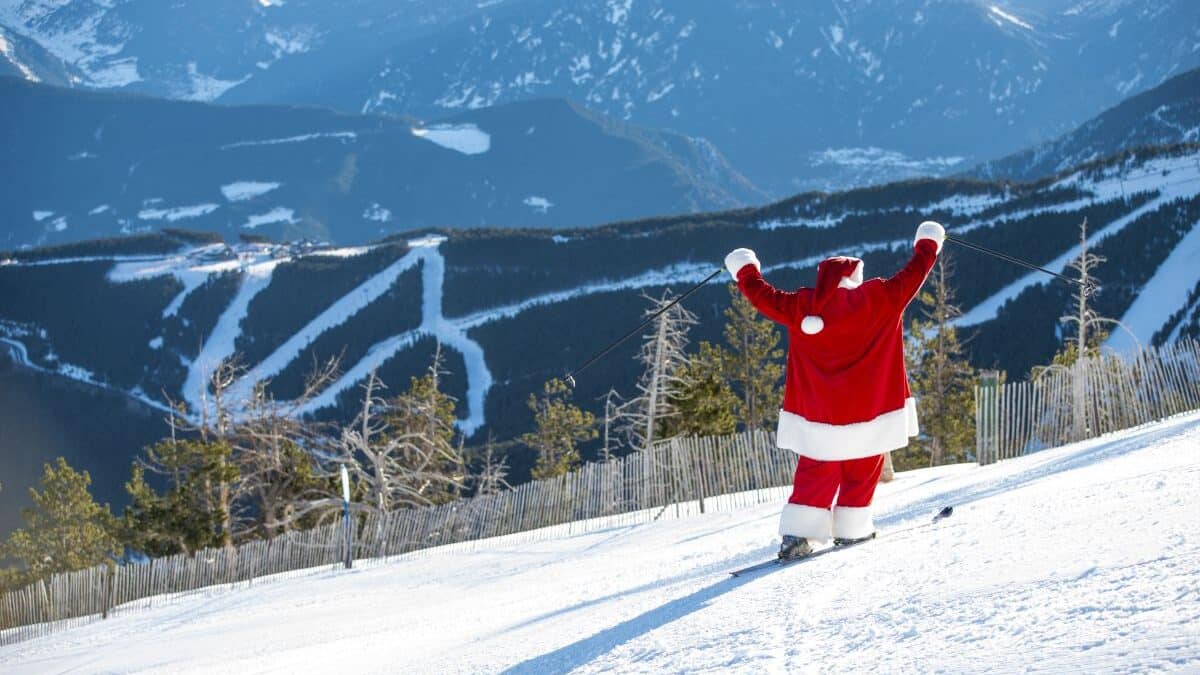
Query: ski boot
[(840, 541), (794, 547)]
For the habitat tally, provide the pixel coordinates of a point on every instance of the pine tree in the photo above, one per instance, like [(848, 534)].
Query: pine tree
[(706, 404), (65, 530), (942, 379), (189, 513), (560, 427), (422, 420), (754, 363)]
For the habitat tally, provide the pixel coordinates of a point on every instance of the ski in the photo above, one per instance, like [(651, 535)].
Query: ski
[(946, 512)]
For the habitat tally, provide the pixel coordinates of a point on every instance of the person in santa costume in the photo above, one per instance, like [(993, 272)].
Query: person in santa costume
[(846, 399)]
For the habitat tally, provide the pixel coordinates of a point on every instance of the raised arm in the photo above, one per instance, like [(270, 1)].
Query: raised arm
[(776, 305), (903, 287)]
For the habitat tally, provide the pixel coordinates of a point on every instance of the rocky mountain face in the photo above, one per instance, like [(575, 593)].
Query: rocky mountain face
[(82, 165), (1166, 114), (798, 95)]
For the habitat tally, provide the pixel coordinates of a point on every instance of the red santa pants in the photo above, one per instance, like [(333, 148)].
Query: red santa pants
[(808, 512)]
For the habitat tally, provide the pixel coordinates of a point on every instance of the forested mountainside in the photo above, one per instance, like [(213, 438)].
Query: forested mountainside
[(1166, 114), (799, 95), (153, 315), (83, 165)]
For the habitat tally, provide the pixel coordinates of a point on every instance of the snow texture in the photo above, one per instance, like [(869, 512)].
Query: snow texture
[(279, 214), (178, 212), (7, 51), (538, 204), (244, 190), (1076, 559), (377, 213), (465, 138), (336, 135)]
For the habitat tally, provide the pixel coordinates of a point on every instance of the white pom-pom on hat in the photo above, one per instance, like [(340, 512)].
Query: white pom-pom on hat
[(811, 325)]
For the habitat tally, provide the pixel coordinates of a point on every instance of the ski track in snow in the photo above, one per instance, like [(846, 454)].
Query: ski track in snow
[(256, 276), (336, 314), (433, 324), (1075, 559), (1165, 292), (1184, 183)]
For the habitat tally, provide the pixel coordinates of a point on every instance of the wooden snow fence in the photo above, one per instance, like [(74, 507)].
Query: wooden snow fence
[(677, 477), (1095, 396)]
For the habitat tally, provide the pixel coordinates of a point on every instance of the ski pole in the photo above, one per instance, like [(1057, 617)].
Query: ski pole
[(1011, 259), (570, 378)]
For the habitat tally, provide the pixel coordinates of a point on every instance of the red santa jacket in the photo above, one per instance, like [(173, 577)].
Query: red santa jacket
[(846, 393)]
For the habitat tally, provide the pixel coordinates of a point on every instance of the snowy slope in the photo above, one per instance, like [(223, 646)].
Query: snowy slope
[(1175, 178), (1082, 558)]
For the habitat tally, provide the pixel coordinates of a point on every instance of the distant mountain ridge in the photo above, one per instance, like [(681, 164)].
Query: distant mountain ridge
[(83, 165), (798, 95), (1168, 113)]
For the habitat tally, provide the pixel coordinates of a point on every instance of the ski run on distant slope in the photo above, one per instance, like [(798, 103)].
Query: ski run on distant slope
[(1182, 180), (1172, 177)]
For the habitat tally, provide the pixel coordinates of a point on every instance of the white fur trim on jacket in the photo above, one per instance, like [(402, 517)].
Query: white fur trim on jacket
[(830, 442), (852, 522), (739, 258), (810, 522), (932, 231)]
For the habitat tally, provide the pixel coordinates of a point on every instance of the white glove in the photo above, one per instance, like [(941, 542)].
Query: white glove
[(931, 231), (739, 258)]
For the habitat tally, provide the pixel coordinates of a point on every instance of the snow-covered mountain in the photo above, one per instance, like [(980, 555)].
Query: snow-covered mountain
[(81, 165), (798, 95), (1074, 559), (152, 316), (1166, 114)]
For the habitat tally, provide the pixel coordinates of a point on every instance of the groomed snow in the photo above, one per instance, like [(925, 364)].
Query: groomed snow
[(1165, 293), (256, 276), (465, 138), (1077, 559)]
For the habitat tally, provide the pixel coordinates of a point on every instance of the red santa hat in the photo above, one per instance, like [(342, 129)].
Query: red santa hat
[(832, 274)]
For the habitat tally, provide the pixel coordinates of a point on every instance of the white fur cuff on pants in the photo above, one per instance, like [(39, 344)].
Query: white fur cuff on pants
[(852, 522), (810, 522)]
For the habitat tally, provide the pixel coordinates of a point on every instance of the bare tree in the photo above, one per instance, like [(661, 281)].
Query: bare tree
[(493, 474), (615, 408), (664, 361), (277, 454), (401, 452)]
